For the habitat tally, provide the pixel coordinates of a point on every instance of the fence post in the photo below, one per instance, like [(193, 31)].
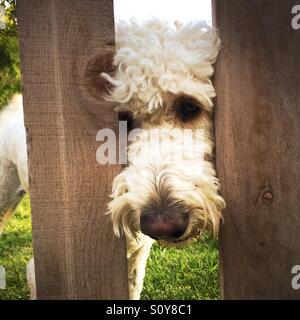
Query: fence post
[(64, 47), (258, 147)]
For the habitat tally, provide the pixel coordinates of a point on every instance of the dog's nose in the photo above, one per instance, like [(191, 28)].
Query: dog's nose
[(157, 226)]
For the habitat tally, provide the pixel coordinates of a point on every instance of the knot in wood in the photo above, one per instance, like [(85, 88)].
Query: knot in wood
[(267, 197)]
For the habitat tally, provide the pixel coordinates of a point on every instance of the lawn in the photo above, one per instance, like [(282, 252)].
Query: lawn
[(15, 251), (189, 273)]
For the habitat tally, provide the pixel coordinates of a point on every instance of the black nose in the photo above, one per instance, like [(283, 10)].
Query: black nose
[(164, 225)]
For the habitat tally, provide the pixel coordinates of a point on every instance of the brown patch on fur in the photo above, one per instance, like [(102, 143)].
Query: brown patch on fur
[(96, 85)]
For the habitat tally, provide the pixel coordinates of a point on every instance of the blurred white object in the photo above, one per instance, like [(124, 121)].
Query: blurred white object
[(171, 10), (13, 158)]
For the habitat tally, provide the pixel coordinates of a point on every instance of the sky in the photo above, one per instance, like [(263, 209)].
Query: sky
[(172, 10)]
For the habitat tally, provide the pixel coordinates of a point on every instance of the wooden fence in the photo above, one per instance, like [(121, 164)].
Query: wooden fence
[(64, 46), (258, 147)]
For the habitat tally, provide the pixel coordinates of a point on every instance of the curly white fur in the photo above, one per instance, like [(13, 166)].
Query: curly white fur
[(156, 58)]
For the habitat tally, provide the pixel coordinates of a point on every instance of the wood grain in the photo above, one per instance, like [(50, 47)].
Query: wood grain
[(258, 147), (75, 251)]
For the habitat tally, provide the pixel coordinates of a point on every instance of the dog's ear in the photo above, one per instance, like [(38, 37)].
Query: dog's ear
[(198, 44), (120, 209)]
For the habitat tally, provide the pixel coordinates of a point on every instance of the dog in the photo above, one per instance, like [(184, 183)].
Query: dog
[(162, 80), (13, 159)]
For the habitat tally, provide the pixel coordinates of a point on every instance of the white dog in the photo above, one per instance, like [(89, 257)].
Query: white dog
[(161, 79), (13, 159)]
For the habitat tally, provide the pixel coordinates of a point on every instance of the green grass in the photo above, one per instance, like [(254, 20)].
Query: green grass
[(15, 251), (189, 273)]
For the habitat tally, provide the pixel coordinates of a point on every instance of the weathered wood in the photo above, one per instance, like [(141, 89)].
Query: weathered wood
[(64, 46), (258, 147)]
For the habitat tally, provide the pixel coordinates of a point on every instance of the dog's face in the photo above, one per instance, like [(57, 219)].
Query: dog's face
[(169, 190)]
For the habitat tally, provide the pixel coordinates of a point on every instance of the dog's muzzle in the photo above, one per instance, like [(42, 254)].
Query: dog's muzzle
[(164, 223)]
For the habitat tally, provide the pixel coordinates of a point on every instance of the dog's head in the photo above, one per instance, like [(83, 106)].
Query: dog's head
[(168, 191)]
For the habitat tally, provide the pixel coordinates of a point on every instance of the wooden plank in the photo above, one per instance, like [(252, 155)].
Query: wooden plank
[(258, 147), (64, 47)]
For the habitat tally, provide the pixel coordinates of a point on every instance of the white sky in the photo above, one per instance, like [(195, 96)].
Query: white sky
[(172, 10)]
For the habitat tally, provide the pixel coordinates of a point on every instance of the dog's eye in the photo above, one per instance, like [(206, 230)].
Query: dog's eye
[(189, 107), (186, 110)]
